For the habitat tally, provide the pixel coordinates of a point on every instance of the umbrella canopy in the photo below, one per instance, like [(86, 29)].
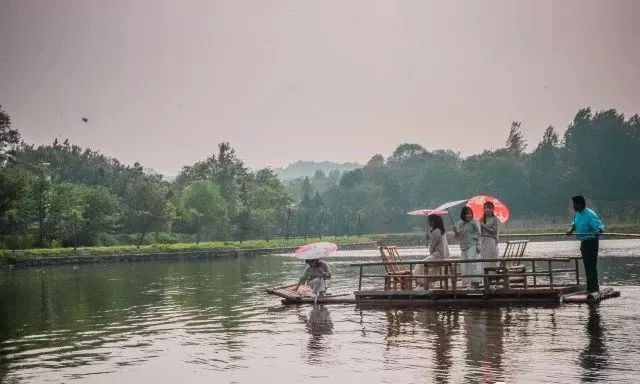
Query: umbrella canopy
[(427, 212), (450, 204), (316, 251), (476, 203)]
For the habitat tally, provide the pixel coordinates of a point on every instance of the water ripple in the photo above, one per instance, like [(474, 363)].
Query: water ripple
[(209, 320)]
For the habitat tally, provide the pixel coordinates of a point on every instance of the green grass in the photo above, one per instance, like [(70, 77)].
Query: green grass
[(7, 256)]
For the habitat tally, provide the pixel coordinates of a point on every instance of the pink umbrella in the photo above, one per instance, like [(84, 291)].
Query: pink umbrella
[(316, 251), (427, 212), (476, 203)]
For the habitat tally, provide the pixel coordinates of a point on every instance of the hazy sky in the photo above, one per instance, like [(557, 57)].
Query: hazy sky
[(162, 82)]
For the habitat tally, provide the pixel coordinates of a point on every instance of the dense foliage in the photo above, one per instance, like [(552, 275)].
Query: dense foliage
[(64, 195), (598, 157)]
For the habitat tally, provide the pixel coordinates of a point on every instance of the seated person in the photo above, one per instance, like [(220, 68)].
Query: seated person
[(316, 276), (438, 250)]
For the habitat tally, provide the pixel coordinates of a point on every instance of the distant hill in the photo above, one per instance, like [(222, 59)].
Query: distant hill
[(308, 168)]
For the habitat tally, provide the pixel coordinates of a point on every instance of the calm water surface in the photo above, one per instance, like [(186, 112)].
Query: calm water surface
[(209, 321)]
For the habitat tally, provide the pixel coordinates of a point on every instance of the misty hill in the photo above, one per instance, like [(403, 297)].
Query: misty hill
[(308, 168)]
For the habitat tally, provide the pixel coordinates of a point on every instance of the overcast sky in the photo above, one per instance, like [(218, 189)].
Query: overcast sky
[(162, 82)]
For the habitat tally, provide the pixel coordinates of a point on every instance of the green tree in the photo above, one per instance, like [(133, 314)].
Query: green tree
[(40, 196), (9, 138), (148, 209), (547, 180), (515, 141), (207, 208)]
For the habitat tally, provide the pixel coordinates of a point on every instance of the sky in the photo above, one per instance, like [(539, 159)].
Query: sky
[(162, 82)]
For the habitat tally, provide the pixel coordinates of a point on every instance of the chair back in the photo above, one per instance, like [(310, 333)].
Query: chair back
[(513, 252), (390, 255)]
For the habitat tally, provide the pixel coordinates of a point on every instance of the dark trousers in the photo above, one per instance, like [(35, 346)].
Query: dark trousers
[(589, 251)]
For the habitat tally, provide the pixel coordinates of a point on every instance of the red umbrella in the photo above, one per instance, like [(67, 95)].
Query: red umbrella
[(476, 204), (427, 212)]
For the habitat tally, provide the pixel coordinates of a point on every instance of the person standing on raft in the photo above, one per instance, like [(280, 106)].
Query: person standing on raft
[(490, 228), (588, 228), (468, 232)]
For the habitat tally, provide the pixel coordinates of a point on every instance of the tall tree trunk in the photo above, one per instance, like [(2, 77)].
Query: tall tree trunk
[(142, 235), (75, 238), (40, 229)]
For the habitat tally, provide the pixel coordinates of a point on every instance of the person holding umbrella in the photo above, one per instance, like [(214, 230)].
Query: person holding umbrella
[(468, 233), (438, 249), (317, 272), (490, 226), (588, 226)]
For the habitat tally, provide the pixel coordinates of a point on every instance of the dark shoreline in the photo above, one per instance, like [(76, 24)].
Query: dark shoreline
[(161, 256)]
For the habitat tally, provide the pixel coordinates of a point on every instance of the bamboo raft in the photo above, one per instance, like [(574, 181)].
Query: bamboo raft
[(508, 281), (582, 297)]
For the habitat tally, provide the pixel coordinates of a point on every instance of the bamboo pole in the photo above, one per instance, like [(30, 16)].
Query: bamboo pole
[(635, 235)]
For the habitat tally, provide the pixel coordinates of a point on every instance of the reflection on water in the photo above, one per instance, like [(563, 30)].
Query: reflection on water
[(594, 357), (210, 321), (318, 324)]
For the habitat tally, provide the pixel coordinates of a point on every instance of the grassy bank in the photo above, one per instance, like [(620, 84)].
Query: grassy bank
[(410, 238), (7, 256)]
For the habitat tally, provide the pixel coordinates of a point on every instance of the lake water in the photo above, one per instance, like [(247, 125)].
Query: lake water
[(209, 321)]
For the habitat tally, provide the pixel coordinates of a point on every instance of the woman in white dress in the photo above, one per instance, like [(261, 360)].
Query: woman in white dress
[(490, 227), (438, 250), (468, 233)]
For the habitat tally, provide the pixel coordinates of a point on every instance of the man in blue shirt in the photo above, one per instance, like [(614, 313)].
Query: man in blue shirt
[(588, 228)]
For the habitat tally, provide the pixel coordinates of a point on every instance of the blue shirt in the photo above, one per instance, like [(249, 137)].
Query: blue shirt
[(586, 224)]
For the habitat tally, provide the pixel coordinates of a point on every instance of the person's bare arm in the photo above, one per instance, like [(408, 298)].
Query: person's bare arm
[(304, 277)]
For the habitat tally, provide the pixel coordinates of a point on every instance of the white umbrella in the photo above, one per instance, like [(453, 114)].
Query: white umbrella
[(450, 204), (316, 251)]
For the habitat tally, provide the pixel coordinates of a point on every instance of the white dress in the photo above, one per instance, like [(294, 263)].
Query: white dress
[(438, 250)]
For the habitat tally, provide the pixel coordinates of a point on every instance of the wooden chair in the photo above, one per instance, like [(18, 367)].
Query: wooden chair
[(397, 275), (501, 275)]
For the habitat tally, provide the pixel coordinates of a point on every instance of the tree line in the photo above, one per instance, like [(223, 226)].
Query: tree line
[(598, 156), (63, 195)]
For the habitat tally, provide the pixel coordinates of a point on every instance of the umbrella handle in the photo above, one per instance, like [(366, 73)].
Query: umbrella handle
[(451, 217)]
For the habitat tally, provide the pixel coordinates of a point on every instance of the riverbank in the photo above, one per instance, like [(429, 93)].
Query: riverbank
[(180, 251), (207, 250)]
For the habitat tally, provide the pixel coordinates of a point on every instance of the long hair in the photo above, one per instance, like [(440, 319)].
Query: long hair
[(464, 211), (487, 204), (435, 221)]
